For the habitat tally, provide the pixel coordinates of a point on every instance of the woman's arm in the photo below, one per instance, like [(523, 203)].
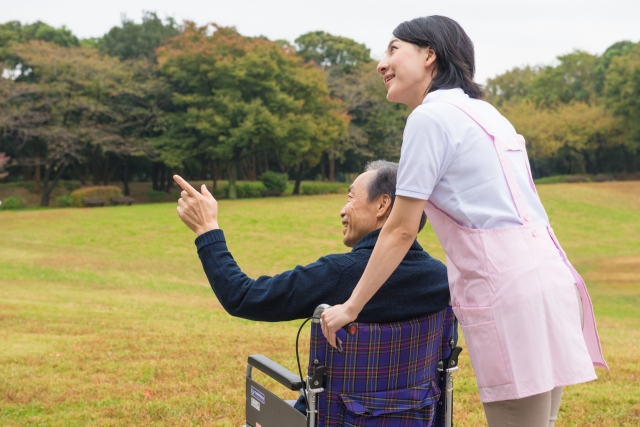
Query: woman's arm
[(395, 239)]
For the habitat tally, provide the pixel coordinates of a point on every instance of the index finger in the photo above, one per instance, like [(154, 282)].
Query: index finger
[(185, 185)]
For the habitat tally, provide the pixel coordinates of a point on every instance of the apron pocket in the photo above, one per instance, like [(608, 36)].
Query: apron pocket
[(414, 406), (483, 343)]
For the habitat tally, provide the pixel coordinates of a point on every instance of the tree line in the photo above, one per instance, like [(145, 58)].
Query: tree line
[(580, 116), (153, 98)]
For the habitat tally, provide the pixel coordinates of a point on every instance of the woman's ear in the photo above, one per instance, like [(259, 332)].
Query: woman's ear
[(430, 59)]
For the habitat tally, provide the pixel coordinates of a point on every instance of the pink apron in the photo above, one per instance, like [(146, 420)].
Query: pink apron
[(514, 298)]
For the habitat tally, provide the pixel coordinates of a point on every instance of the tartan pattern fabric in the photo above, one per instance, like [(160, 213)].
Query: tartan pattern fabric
[(387, 375)]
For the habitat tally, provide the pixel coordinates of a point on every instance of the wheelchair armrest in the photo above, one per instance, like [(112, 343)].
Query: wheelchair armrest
[(275, 371)]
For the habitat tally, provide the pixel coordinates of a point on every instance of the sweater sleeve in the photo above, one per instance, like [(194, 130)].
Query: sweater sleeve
[(293, 294)]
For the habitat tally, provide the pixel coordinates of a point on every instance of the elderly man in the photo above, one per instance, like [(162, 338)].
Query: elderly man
[(418, 287)]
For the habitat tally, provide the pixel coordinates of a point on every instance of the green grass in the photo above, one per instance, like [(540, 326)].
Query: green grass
[(106, 318)]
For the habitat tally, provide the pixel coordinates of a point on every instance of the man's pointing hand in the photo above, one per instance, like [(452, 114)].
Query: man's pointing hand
[(199, 211)]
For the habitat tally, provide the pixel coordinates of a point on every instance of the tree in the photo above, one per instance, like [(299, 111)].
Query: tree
[(602, 65), (571, 80), (582, 131), (376, 124), (138, 41), (13, 32), (4, 159), (513, 85), (621, 90), (329, 51), (235, 96), (73, 102)]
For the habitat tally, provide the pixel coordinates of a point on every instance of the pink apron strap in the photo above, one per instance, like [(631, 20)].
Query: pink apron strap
[(502, 145)]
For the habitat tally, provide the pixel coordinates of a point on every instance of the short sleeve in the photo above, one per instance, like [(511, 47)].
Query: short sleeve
[(426, 152)]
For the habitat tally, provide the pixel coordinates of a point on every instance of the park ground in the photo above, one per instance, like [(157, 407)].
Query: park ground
[(106, 318)]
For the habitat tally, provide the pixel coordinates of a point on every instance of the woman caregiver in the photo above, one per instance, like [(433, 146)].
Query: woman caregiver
[(519, 301)]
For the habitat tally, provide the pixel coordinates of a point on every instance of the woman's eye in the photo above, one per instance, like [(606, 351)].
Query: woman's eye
[(392, 48)]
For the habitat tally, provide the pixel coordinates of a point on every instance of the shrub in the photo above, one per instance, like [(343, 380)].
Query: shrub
[(64, 201), (106, 192), (274, 180), (249, 190), (29, 185), (220, 193), (243, 191), (323, 188), (156, 196), (71, 186), (12, 202)]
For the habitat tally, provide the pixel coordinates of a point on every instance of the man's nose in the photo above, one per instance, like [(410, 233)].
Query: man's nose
[(343, 212)]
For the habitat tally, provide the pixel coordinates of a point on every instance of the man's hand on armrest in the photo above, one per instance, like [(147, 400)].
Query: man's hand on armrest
[(199, 211)]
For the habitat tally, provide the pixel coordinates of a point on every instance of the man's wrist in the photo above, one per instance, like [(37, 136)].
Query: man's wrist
[(206, 228)]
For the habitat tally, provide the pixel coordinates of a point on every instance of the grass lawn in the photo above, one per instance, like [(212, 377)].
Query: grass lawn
[(106, 318)]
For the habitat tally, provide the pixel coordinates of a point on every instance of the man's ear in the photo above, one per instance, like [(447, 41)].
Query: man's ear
[(384, 206)]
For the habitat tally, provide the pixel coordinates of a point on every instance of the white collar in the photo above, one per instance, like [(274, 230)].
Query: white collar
[(444, 93)]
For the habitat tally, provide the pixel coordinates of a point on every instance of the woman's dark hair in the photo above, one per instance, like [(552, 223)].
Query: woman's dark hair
[(455, 58)]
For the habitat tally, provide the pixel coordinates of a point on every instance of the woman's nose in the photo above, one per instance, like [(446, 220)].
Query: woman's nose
[(383, 66)]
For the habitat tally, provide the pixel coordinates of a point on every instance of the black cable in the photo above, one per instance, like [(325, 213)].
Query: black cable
[(304, 383)]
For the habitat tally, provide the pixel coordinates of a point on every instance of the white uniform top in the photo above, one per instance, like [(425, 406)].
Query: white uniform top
[(448, 159)]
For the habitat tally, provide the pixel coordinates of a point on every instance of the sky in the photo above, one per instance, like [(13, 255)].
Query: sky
[(506, 34)]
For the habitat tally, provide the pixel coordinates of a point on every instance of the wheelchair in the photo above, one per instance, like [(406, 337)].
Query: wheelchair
[(396, 374)]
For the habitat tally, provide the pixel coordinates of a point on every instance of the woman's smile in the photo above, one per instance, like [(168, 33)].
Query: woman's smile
[(387, 79)]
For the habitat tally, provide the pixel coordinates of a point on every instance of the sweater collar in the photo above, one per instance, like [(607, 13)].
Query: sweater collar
[(369, 241)]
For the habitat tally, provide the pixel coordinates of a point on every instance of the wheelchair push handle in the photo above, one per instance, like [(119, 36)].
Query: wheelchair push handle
[(350, 328)]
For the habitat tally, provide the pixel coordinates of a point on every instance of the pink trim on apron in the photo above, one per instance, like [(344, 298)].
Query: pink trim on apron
[(514, 298)]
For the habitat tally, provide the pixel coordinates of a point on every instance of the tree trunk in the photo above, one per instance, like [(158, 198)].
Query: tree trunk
[(155, 171), (322, 168), (169, 177), (630, 160), (105, 169), (332, 167), (233, 174), (37, 179), (125, 176), (244, 168), (96, 166), (214, 173), (203, 168), (296, 188), (48, 189), (266, 161), (87, 172), (26, 171), (161, 177), (112, 171), (254, 173), (283, 168), (82, 178)]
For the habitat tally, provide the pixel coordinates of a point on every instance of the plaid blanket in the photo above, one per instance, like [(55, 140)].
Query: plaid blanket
[(386, 376)]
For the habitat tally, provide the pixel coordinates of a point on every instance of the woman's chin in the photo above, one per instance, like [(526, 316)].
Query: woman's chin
[(392, 96)]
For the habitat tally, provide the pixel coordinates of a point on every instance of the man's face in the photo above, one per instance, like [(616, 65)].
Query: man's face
[(358, 215)]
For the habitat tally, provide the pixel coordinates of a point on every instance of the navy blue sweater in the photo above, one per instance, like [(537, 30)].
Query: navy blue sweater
[(418, 286)]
